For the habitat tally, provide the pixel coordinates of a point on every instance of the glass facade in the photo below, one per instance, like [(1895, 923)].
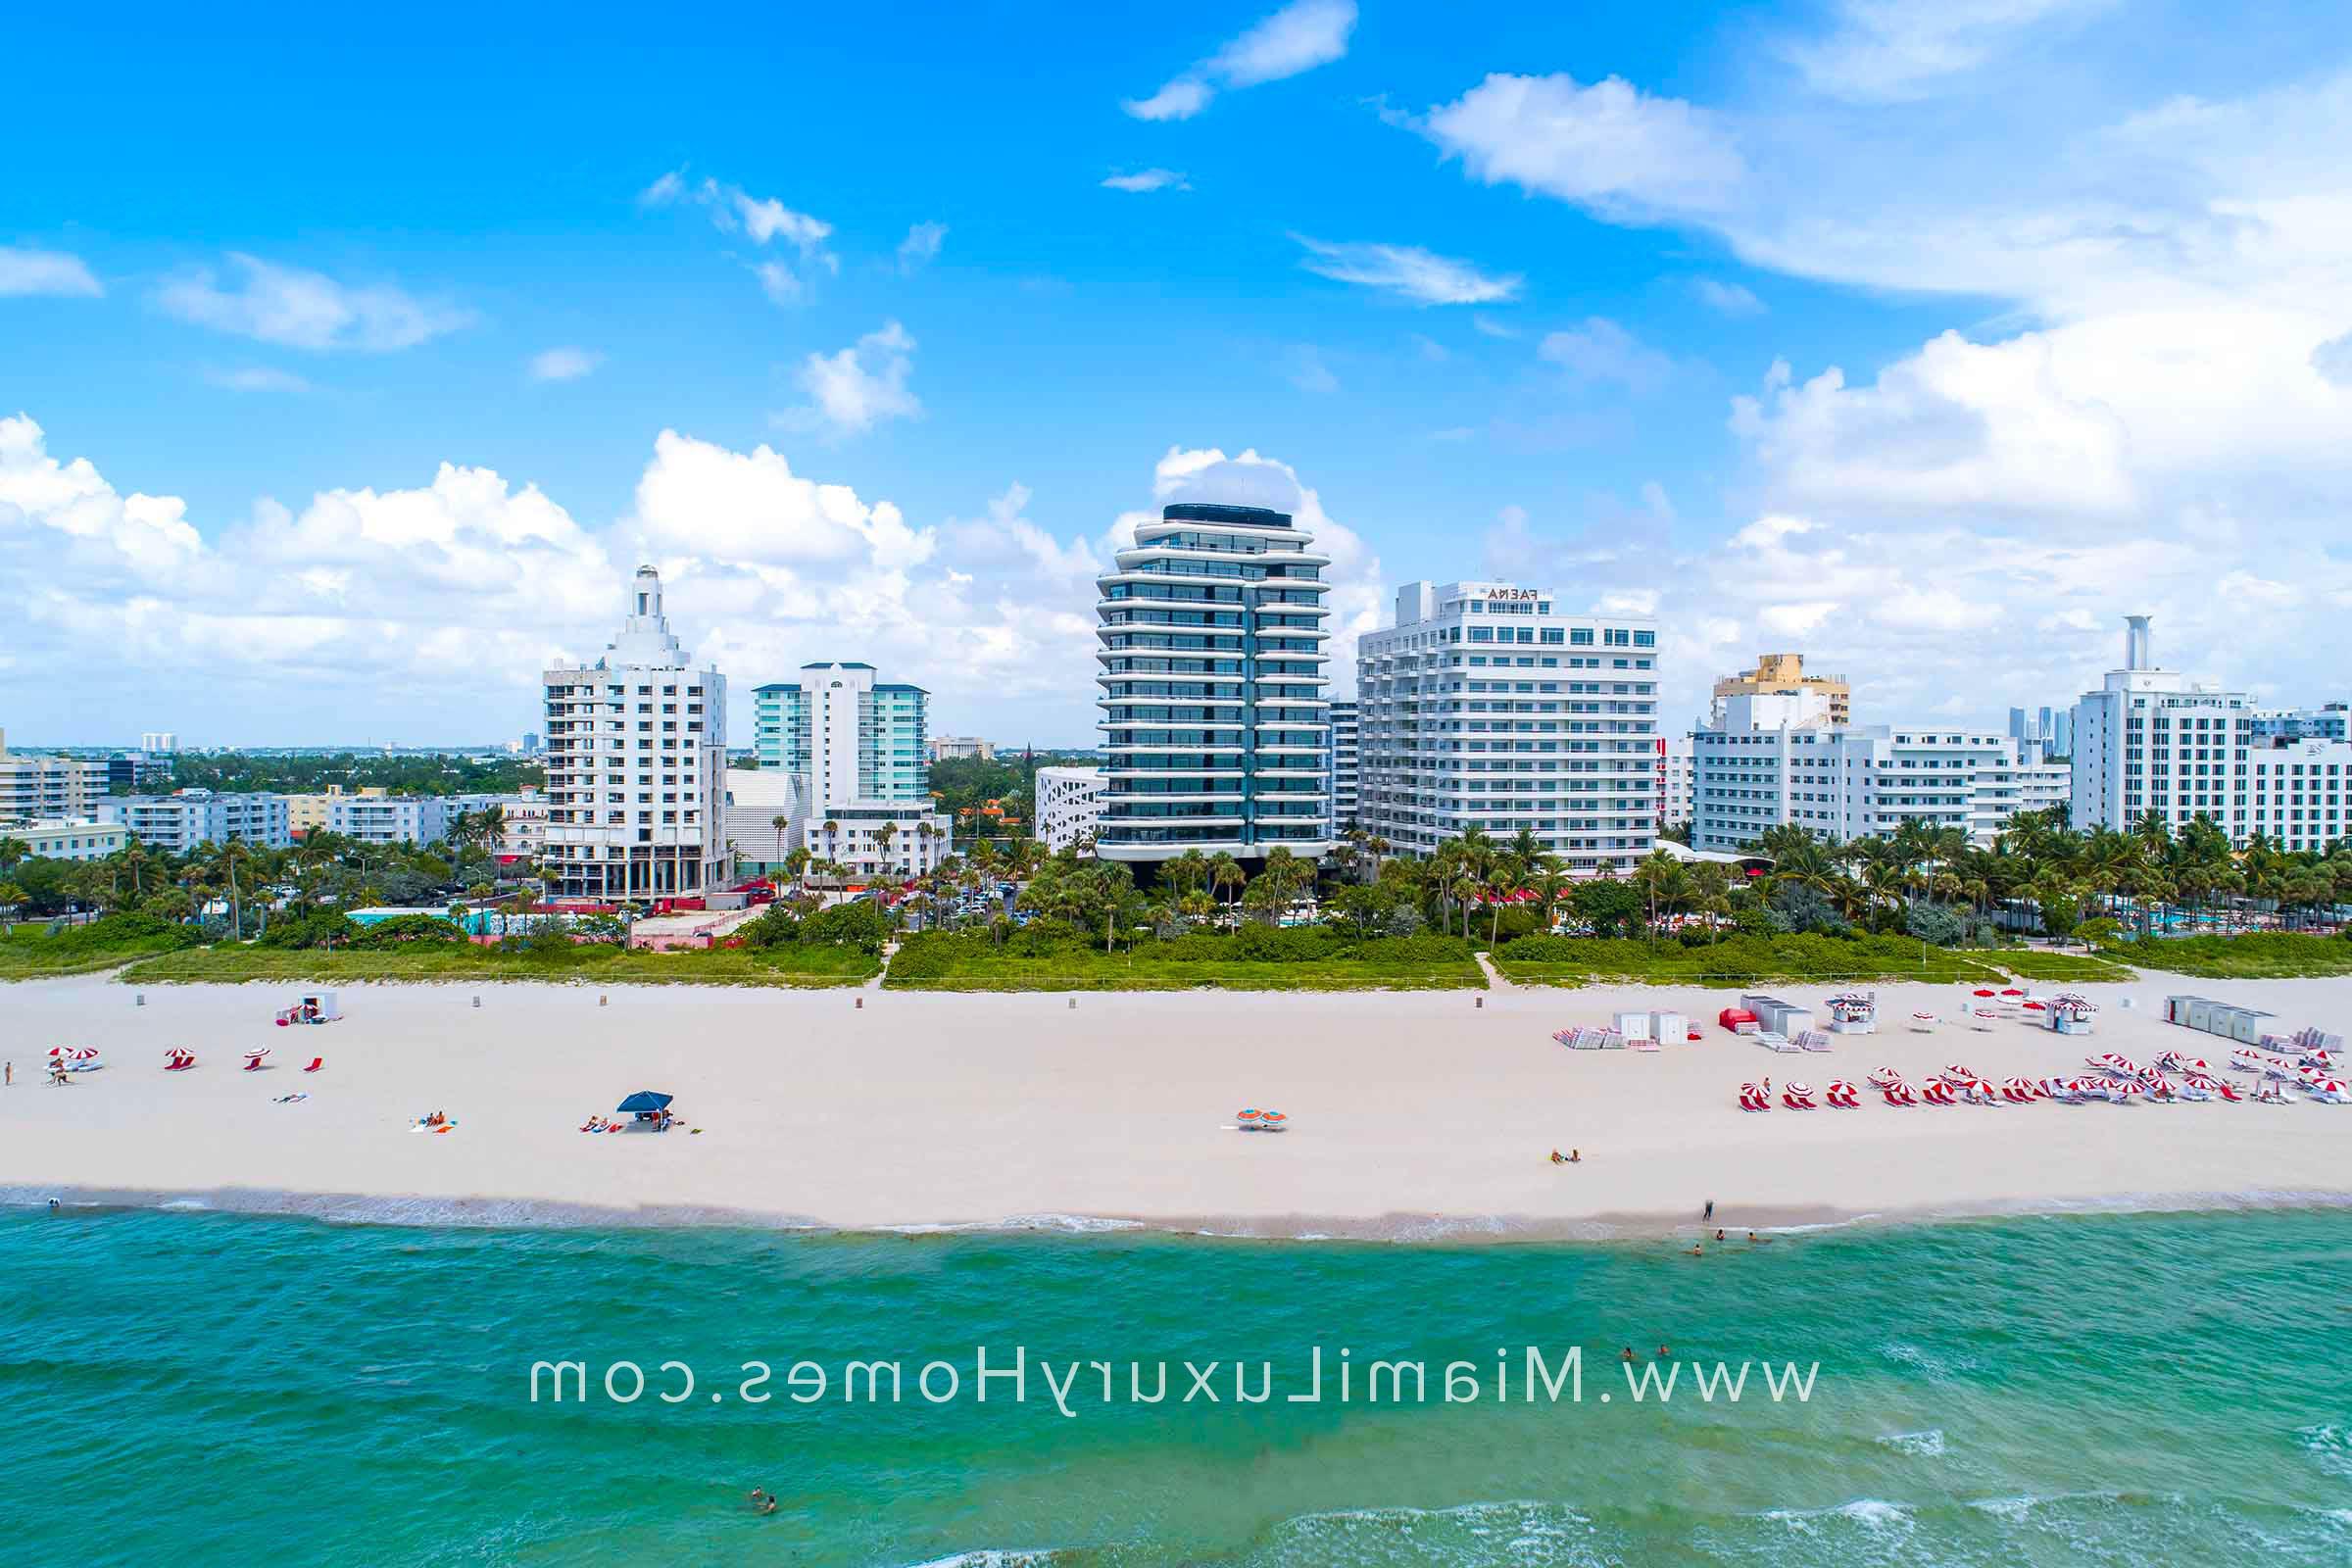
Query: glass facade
[(1215, 718)]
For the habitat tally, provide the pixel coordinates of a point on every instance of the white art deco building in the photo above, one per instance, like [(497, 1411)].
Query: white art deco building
[(636, 759), (1486, 707), (1213, 688)]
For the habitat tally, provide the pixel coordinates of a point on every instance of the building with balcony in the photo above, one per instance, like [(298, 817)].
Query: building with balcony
[(636, 759), (36, 789), (1488, 707), (1070, 806), (181, 821), (859, 749), (1216, 716), (1674, 781), (70, 841)]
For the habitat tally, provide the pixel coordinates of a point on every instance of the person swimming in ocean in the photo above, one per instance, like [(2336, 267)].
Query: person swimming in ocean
[(1759, 1240), (1718, 1236), (763, 1501), (1627, 1355)]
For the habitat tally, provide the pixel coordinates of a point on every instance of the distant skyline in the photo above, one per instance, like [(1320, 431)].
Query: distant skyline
[(1926, 341)]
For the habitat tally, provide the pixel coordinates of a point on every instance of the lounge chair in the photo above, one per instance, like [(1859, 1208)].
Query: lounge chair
[(316, 1062)]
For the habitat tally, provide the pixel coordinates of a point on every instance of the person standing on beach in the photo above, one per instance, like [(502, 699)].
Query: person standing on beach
[(1710, 1213)]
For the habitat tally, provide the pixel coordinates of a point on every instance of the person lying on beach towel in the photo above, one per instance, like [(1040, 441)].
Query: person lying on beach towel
[(287, 1100)]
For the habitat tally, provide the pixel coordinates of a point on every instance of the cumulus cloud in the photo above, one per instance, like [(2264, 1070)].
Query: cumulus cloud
[(1410, 272), (862, 386), (410, 604), (1300, 36), (307, 310), (1144, 180), (565, 364), (53, 273)]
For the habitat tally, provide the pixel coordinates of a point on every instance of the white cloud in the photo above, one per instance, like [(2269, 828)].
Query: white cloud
[(1300, 36), (563, 363), (1304, 369), (51, 273), (2334, 361), (307, 310), (863, 384), (1408, 272), (1180, 99), (1609, 146), (257, 378), (920, 248), (1147, 180), (1727, 299), (1600, 349), (1886, 50), (763, 219), (395, 607), (1490, 327)]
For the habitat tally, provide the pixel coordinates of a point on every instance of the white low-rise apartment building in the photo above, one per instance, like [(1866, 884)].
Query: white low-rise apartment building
[(47, 789), (1780, 759), (68, 840), (1070, 806), (636, 765), (1486, 706), (181, 821), (2153, 740), (373, 819)]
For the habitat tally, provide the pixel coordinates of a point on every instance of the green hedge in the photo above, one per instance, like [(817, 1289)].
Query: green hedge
[(30, 951), (1048, 957), (1736, 960)]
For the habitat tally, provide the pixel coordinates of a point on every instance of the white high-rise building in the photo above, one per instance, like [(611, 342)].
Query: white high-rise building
[(159, 743), (1485, 707), (636, 765), (1069, 806), (2152, 740), (859, 747), (1778, 760), (1214, 711)]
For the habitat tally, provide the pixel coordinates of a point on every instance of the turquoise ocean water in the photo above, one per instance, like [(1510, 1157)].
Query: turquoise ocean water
[(193, 1388)]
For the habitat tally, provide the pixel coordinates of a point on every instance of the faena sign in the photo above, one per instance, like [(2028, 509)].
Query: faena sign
[(1512, 594)]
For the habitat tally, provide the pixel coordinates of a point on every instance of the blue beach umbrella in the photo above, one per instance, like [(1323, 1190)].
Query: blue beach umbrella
[(645, 1100)]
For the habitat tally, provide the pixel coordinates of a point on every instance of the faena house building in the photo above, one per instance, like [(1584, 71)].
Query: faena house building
[(1215, 721), (636, 765)]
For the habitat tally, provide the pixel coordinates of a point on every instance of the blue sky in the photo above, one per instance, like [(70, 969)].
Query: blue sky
[(1927, 339)]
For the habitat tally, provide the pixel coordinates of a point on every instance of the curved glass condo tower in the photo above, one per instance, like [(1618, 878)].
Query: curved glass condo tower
[(1214, 691)]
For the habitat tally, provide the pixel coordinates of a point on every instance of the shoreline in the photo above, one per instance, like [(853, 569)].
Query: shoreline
[(416, 1211), (1413, 1116)]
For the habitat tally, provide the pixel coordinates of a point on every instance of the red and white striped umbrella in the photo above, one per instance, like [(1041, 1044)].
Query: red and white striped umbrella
[(256, 1052), (75, 1052)]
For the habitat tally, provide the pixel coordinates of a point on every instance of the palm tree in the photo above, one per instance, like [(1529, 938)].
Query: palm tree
[(1224, 872), (228, 860)]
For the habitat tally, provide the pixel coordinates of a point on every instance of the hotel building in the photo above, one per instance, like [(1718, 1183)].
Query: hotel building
[(181, 821), (2302, 793), (859, 749), (1783, 676), (1069, 806), (1214, 711), (1778, 759), (636, 757), (2152, 740), (1485, 707), (2331, 722)]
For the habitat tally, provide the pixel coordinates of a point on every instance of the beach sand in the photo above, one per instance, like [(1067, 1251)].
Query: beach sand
[(1413, 1115)]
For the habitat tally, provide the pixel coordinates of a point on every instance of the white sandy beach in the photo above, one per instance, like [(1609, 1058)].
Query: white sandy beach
[(1412, 1114)]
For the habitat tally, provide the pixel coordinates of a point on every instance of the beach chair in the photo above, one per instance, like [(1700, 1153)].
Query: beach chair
[(1813, 1039), (316, 1062), (252, 1065)]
